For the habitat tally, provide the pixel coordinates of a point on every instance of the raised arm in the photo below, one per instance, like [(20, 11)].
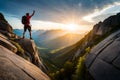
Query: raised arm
[(33, 13)]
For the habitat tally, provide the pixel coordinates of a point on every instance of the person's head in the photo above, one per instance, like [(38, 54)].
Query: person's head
[(27, 14)]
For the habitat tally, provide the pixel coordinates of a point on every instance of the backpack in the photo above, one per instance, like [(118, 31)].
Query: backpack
[(24, 20)]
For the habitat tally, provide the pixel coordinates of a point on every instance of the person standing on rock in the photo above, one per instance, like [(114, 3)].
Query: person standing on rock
[(26, 23)]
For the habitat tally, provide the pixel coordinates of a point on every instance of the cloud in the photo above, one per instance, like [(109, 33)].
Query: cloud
[(100, 15), (51, 9)]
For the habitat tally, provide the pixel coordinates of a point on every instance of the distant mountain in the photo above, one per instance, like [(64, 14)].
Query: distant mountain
[(63, 41), (50, 34), (40, 36), (19, 32), (35, 33)]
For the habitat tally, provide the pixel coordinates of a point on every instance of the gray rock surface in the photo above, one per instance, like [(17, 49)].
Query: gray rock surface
[(6, 43), (13, 67), (103, 62), (31, 49)]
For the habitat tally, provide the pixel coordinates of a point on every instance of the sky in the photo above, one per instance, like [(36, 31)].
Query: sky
[(59, 14)]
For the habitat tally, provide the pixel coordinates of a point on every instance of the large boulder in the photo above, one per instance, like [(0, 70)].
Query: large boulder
[(103, 62), (13, 67)]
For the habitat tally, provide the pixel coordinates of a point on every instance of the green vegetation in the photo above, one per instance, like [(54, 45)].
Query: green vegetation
[(72, 70), (56, 50), (51, 66), (41, 48), (64, 73), (20, 50), (80, 68), (47, 59)]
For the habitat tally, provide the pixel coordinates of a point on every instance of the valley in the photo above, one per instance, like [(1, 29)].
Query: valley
[(52, 42)]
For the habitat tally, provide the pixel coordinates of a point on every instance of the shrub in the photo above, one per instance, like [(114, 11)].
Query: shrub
[(64, 73), (79, 73), (20, 50), (80, 67)]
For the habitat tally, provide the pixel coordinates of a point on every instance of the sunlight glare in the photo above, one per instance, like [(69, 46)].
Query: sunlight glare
[(71, 27)]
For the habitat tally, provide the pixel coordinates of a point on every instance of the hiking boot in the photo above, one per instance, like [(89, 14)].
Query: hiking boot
[(30, 37), (23, 37)]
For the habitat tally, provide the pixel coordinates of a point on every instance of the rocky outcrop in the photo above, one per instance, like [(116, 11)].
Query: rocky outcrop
[(31, 50), (103, 62), (2, 18), (108, 24), (4, 26), (12, 49)]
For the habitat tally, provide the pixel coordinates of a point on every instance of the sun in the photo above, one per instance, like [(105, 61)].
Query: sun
[(71, 27)]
